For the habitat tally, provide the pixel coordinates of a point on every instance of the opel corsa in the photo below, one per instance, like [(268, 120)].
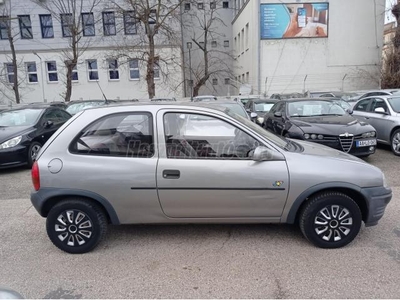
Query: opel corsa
[(184, 163)]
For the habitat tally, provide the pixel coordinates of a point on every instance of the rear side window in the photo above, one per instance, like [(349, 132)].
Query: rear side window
[(121, 135), (362, 105)]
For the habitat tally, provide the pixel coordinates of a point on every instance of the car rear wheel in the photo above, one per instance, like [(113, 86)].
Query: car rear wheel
[(330, 220), (76, 225), (33, 152), (395, 142)]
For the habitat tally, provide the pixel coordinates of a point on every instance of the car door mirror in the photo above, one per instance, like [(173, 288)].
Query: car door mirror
[(349, 111), (253, 115), (262, 153), (248, 110), (380, 110), (48, 124), (278, 114)]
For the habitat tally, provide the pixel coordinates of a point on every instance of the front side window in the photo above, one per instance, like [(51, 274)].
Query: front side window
[(200, 136), (134, 73), (121, 135), (10, 72), (31, 70), (66, 24), (379, 103), (88, 24), (25, 27), (46, 25), (113, 71), (130, 23), (93, 71), (52, 74), (109, 23), (4, 24), (362, 105)]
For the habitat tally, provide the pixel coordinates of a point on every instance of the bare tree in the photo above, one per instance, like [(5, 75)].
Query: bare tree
[(7, 22), (150, 25), (205, 31), (74, 25)]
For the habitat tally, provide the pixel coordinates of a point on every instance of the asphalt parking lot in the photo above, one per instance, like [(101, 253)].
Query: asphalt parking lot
[(202, 261)]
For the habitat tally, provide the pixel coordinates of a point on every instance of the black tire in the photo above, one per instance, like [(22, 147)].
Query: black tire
[(335, 227), (75, 232), (34, 147), (395, 140)]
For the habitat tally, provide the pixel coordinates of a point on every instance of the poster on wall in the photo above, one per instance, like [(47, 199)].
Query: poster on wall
[(294, 20)]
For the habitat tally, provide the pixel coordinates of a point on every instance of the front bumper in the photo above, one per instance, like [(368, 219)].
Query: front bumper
[(354, 150), (377, 199), (13, 157)]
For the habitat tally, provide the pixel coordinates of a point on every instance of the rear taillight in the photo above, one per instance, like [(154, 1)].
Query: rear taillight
[(35, 176)]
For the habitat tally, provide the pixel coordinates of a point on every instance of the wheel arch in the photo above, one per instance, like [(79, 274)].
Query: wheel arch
[(392, 131), (351, 190)]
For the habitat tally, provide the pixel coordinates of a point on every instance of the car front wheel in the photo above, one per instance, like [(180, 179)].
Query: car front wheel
[(330, 220), (76, 225), (395, 142), (33, 152)]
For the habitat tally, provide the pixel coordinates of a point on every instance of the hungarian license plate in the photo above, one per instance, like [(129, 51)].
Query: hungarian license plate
[(366, 143)]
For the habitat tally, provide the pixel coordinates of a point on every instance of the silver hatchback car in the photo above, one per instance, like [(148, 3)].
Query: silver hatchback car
[(165, 163)]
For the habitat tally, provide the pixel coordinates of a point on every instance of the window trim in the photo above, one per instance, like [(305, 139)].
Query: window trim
[(51, 72), (151, 130), (84, 25), (133, 69), (114, 24), (44, 27), (113, 70), (22, 26), (66, 25), (92, 70), (30, 73)]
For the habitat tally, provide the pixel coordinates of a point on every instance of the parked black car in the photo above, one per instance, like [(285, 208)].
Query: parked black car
[(259, 107), (23, 131), (322, 121)]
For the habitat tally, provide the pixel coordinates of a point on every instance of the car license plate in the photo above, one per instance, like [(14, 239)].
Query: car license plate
[(365, 143)]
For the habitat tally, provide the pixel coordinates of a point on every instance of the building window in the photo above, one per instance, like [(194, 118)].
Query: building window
[(247, 77), (46, 25), (109, 23), (156, 68), (4, 24), (214, 44), (226, 44), (88, 24), (225, 4), (227, 81), (25, 27), (200, 5), (213, 5), (31, 70), (190, 82), (187, 6), (215, 81), (93, 70), (74, 74), (134, 73), (113, 72), (10, 72), (247, 35), (52, 75), (66, 24), (201, 44), (130, 23)]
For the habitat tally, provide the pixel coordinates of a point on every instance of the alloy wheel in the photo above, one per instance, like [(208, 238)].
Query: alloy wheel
[(396, 142), (73, 227), (333, 223)]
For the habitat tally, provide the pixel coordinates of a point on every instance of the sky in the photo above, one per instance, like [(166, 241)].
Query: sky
[(388, 14)]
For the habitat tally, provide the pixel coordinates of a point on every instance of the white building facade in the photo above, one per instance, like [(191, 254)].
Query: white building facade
[(298, 46)]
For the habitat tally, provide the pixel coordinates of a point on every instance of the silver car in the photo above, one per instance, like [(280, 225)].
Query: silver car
[(154, 163), (383, 113)]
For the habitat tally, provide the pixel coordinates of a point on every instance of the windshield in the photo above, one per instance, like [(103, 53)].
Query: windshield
[(314, 108), (264, 107), (21, 117), (395, 103), (236, 108), (77, 107), (279, 141)]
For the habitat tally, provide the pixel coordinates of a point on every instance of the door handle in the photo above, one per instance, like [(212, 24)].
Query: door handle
[(171, 174)]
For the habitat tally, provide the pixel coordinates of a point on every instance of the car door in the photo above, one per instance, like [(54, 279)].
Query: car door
[(48, 124), (361, 109), (204, 170), (380, 120)]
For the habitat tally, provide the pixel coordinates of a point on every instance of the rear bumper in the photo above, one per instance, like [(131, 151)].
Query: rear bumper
[(377, 199), (13, 157)]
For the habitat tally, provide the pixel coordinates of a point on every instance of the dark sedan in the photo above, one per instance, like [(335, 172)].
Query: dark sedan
[(259, 107), (321, 121), (23, 131)]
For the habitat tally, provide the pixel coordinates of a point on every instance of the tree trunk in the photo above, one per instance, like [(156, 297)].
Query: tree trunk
[(15, 66), (206, 76), (68, 84), (151, 87)]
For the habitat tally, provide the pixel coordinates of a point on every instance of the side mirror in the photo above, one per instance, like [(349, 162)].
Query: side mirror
[(248, 110), (253, 115), (48, 124), (278, 114), (262, 153), (380, 110), (349, 111)]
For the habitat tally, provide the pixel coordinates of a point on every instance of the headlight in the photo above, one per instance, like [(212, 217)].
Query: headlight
[(306, 136), (11, 143), (373, 133), (368, 134), (260, 120), (313, 136)]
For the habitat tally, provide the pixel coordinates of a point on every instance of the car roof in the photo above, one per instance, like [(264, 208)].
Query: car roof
[(41, 107), (264, 100), (311, 99)]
